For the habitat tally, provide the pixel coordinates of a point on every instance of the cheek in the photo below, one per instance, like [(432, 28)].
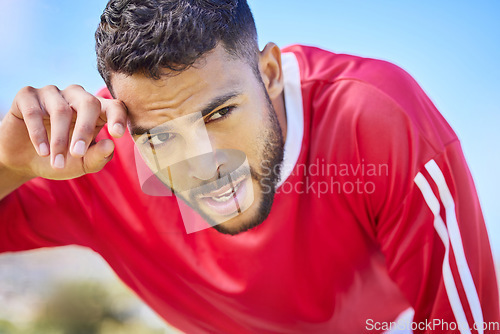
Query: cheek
[(241, 131), (250, 136)]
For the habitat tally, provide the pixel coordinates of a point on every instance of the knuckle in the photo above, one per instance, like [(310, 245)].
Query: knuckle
[(89, 167), (116, 102), (119, 110), (74, 87), (59, 142), (38, 133), (86, 129), (60, 109), (50, 88), (27, 90), (91, 101), (119, 104), (31, 111)]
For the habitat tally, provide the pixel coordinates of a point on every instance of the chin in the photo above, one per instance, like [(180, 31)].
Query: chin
[(243, 222), (255, 215)]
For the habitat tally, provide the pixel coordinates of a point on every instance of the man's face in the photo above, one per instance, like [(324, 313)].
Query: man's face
[(212, 136)]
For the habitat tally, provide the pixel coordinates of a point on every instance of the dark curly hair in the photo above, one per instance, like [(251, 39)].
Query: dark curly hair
[(147, 36)]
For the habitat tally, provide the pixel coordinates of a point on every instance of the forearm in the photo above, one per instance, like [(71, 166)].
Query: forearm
[(10, 181)]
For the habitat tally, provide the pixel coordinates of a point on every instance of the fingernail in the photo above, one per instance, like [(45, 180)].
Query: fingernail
[(59, 161), (118, 129), (79, 147), (43, 149)]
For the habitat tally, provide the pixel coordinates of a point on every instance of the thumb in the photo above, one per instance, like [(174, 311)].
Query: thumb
[(98, 156)]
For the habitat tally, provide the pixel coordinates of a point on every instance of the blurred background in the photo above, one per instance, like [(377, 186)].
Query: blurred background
[(452, 48)]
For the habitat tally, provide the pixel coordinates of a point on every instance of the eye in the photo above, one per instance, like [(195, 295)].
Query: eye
[(219, 114), (158, 139)]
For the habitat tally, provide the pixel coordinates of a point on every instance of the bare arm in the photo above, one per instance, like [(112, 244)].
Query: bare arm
[(10, 181)]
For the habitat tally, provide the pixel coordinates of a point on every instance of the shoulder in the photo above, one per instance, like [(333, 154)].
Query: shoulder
[(368, 95), (321, 66)]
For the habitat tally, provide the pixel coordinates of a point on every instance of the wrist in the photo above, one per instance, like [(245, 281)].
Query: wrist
[(10, 180)]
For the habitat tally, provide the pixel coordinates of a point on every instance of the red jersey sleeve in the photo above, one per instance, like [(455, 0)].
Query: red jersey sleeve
[(425, 212)]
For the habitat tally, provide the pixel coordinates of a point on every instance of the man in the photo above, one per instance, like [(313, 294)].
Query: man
[(336, 196)]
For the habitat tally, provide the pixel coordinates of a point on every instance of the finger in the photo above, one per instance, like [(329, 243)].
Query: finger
[(98, 156), (88, 109), (116, 115), (61, 116), (27, 107)]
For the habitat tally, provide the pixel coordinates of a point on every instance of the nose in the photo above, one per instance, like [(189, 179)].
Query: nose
[(203, 167), (201, 161)]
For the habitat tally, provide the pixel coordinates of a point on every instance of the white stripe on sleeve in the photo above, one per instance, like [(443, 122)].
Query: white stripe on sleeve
[(456, 243), (449, 282)]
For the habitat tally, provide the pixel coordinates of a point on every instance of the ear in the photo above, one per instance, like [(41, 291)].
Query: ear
[(270, 69)]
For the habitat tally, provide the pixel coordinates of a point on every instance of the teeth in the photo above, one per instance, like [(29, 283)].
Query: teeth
[(221, 199), (226, 195), (228, 192)]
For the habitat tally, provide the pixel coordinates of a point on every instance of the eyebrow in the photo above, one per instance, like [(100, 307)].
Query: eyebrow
[(216, 102)]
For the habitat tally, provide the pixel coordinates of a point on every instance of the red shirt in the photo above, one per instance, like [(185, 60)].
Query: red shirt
[(377, 214)]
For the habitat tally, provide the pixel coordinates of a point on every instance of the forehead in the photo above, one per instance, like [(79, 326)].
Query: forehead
[(174, 96)]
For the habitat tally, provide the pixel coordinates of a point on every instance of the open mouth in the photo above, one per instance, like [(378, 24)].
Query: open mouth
[(228, 199)]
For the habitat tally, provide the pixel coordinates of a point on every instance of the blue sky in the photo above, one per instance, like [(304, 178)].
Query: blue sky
[(452, 48)]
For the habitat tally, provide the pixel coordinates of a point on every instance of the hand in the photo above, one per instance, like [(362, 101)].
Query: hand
[(50, 133)]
